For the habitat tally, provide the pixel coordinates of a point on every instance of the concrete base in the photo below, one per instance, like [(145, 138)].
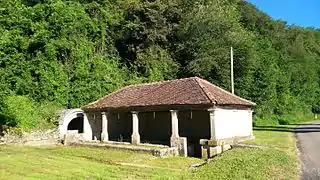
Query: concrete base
[(135, 139), (174, 141), (181, 144), (72, 136), (209, 152), (104, 137), (183, 148), (219, 142)]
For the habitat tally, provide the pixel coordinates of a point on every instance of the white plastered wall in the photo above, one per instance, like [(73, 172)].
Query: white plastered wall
[(68, 116), (231, 122)]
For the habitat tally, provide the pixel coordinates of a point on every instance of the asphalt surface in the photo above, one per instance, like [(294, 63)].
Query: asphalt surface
[(308, 143)]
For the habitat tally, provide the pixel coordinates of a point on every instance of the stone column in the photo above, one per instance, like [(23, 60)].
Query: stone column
[(104, 133), (135, 137), (174, 139), (250, 112), (87, 128), (213, 132)]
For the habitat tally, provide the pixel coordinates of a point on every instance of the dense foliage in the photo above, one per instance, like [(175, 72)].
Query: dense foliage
[(316, 109), (23, 113), (73, 52)]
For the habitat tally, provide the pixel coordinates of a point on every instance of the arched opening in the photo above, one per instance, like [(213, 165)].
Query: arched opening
[(76, 124), (72, 120)]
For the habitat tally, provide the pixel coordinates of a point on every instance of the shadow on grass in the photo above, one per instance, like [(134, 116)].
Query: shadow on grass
[(99, 160), (317, 124), (302, 128)]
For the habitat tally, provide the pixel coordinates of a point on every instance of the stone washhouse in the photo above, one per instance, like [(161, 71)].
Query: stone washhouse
[(192, 114)]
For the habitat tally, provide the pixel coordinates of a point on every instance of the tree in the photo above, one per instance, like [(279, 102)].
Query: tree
[(145, 34), (73, 52), (316, 110)]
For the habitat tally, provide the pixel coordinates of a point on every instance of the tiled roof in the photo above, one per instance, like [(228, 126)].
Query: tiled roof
[(188, 91)]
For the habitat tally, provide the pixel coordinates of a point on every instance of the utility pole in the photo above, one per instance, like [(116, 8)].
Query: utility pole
[(232, 83)]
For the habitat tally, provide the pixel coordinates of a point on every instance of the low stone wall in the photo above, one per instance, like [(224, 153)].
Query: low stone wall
[(210, 148), (160, 151), (210, 152), (34, 138), (231, 141)]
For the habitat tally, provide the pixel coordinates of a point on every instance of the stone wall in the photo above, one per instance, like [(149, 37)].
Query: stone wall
[(34, 138), (210, 152), (158, 151)]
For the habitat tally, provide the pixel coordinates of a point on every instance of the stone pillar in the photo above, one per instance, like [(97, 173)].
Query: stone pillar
[(87, 128), (213, 132), (250, 112), (104, 133), (174, 139), (135, 137)]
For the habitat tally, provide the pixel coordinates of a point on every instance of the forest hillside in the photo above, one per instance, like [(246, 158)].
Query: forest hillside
[(65, 54)]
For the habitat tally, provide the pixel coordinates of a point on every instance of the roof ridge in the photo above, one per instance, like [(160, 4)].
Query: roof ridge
[(145, 93), (137, 85), (234, 95), (197, 79), (156, 82)]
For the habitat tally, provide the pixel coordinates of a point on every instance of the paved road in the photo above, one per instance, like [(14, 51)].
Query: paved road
[(308, 143)]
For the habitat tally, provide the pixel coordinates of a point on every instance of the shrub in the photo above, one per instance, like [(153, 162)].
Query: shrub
[(283, 121), (48, 113), (316, 108), (258, 121), (20, 111), (24, 114)]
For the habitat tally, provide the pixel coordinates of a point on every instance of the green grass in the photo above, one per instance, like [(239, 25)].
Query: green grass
[(278, 162)]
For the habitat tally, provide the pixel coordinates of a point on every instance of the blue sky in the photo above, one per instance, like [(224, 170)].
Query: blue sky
[(304, 13)]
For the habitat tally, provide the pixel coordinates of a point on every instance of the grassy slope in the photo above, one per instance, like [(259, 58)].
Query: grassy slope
[(280, 162)]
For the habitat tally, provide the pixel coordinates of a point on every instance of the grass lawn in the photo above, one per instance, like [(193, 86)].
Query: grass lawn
[(278, 162)]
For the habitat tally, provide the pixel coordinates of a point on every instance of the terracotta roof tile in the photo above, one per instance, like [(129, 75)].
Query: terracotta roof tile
[(188, 91)]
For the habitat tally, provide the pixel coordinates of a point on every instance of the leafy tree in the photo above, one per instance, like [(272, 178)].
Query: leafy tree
[(316, 109), (73, 52), (146, 30)]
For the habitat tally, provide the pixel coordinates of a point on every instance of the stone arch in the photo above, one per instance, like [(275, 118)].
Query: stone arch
[(70, 115)]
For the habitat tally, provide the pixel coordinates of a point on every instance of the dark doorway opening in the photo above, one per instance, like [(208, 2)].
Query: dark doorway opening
[(194, 125), (120, 126), (194, 147), (155, 127), (76, 124)]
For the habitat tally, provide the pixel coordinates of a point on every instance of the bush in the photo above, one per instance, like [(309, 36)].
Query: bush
[(48, 113), (285, 119), (316, 108), (23, 113), (20, 112)]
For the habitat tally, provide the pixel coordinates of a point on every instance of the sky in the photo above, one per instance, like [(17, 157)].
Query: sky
[(304, 13)]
